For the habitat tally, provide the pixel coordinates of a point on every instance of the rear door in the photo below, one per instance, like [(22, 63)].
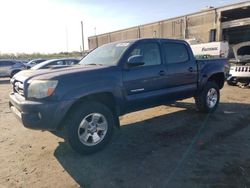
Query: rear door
[(146, 81), (181, 70)]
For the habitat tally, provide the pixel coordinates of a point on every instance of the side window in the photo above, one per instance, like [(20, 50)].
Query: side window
[(39, 61), (75, 62), (175, 53), (71, 62), (54, 63), (59, 62), (150, 52)]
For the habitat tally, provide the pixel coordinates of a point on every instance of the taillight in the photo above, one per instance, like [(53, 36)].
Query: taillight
[(222, 54)]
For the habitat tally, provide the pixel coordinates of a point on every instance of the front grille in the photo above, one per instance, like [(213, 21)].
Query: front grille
[(18, 87), (242, 69)]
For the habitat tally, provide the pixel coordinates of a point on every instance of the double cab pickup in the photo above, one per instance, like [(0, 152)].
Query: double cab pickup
[(86, 100)]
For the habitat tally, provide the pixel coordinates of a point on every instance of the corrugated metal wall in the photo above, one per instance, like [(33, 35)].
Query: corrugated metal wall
[(195, 26)]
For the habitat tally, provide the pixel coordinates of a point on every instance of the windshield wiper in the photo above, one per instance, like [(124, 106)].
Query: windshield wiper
[(93, 64)]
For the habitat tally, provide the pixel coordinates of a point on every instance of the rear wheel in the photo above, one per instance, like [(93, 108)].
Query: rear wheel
[(90, 127), (209, 98)]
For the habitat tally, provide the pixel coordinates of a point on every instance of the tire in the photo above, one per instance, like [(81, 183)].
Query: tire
[(13, 73), (208, 99), (230, 83), (90, 127)]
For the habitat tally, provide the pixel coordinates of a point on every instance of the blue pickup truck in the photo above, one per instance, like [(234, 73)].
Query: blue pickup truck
[(86, 100)]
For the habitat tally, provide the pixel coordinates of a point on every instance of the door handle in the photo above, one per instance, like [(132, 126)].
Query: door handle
[(162, 73), (190, 69)]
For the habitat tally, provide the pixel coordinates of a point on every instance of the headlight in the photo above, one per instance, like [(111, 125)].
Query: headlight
[(41, 88)]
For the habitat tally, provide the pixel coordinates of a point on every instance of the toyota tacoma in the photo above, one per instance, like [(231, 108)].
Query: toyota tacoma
[(86, 100)]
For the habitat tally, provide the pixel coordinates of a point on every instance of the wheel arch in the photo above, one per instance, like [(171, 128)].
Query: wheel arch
[(106, 98), (218, 78), (14, 71)]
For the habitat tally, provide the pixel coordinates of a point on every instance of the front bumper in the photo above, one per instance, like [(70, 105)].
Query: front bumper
[(45, 115)]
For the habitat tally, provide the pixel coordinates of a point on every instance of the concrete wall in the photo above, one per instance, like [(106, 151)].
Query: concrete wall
[(193, 26), (126, 34), (196, 26), (199, 26)]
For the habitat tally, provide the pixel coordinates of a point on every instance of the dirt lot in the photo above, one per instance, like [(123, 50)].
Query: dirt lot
[(159, 147)]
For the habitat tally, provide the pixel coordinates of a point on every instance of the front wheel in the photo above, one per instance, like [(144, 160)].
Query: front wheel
[(90, 127), (208, 99)]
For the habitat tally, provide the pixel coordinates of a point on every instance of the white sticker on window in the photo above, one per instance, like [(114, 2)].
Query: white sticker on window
[(122, 44)]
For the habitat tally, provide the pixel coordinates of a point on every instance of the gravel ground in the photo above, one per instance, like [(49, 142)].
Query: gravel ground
[(168, 146)]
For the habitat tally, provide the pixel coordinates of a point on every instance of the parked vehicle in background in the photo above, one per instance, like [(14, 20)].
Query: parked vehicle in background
[(211, 50), (240, 68), (9, 67), (114, 79), (34, 62), (23, 61), (56, 63)]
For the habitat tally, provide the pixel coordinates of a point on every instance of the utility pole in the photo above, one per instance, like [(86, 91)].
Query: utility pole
[(82, 38)]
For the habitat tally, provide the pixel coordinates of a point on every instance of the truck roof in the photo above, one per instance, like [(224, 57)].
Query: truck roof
[(148, 39)]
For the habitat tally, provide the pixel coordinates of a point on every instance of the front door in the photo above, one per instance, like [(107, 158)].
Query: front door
[(146, 81)]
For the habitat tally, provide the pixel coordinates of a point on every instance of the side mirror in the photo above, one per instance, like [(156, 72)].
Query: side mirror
[(135, 60)]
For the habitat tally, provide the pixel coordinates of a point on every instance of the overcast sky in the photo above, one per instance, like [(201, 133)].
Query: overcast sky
[(48, 26)]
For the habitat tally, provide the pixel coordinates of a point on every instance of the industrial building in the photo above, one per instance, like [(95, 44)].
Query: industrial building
[(230, 23)]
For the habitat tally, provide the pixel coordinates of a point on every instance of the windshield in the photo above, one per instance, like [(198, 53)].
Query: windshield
[(40, 65), (107, 55), (245, 50)]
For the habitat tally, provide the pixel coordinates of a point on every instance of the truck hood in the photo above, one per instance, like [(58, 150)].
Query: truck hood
[(52, 73), (240, 54)]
